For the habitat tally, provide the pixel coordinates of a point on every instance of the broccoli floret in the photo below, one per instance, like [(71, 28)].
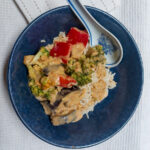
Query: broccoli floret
[(70, 68), (31, 72), (82, 78), (35, 90), (44, 80), (87, 66), (88, 63), (99, 49), (44, 51), (48, 93), (41, 93), (96, 54)]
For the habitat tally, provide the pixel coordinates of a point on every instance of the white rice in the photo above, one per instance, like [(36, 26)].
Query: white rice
[(109, 79), (43, 41), (88, 87), (61, 37)]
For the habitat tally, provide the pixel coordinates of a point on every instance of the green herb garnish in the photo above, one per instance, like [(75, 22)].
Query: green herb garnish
[(81, 78)]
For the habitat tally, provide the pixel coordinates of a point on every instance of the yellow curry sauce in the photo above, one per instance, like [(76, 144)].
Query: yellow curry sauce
[(69, 80)]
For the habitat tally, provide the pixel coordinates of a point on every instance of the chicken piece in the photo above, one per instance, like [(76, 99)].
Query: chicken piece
[(44, 62), (52, 74), (74, 98), (101, 71), (54, 61), (62, 110), (77, 36), (37, 68), (91, 52), (55, 74), (70, 102), (74, 116), (62, 92), (53, 97), (79, 115), (77, 50), (99, 90), (57, 69), (28, 59), (52, 80)]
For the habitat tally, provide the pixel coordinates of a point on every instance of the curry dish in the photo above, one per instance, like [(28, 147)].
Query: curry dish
[(69, 77)]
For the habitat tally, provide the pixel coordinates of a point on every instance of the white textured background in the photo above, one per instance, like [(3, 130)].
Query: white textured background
[(134, 14)]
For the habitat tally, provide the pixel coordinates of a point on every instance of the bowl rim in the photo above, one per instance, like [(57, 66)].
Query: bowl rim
[(10, 90)]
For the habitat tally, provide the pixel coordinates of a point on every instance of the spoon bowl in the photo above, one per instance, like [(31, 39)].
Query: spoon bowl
[(98, 34)]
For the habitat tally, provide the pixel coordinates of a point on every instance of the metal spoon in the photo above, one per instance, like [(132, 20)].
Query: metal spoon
[(98, 34)]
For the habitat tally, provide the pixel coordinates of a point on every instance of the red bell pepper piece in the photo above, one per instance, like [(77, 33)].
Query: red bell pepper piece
[(64, 60), (77, 36), (67, 82), (62, 50)]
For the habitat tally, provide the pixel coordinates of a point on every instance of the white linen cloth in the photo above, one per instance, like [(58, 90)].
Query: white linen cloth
[(134, 136), (33, 8)]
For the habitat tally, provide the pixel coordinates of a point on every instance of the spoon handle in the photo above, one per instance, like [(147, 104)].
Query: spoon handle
[(84, 16)]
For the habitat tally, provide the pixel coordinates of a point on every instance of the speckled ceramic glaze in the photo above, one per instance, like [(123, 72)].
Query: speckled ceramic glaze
[(109, 116)]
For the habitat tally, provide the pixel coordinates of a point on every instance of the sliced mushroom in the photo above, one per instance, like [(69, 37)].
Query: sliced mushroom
[(56, 103), (74, 98), (57, 68), (66, 91), (46, 71), (48, 107), (72, 117), (70, 103)]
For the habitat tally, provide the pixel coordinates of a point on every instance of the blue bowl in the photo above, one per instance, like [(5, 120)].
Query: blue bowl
[(109, 116)]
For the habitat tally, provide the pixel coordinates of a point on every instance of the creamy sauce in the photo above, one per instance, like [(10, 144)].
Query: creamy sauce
[(52, 79)]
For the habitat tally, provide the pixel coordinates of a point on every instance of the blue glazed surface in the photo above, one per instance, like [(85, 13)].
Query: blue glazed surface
[(109, 116)]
